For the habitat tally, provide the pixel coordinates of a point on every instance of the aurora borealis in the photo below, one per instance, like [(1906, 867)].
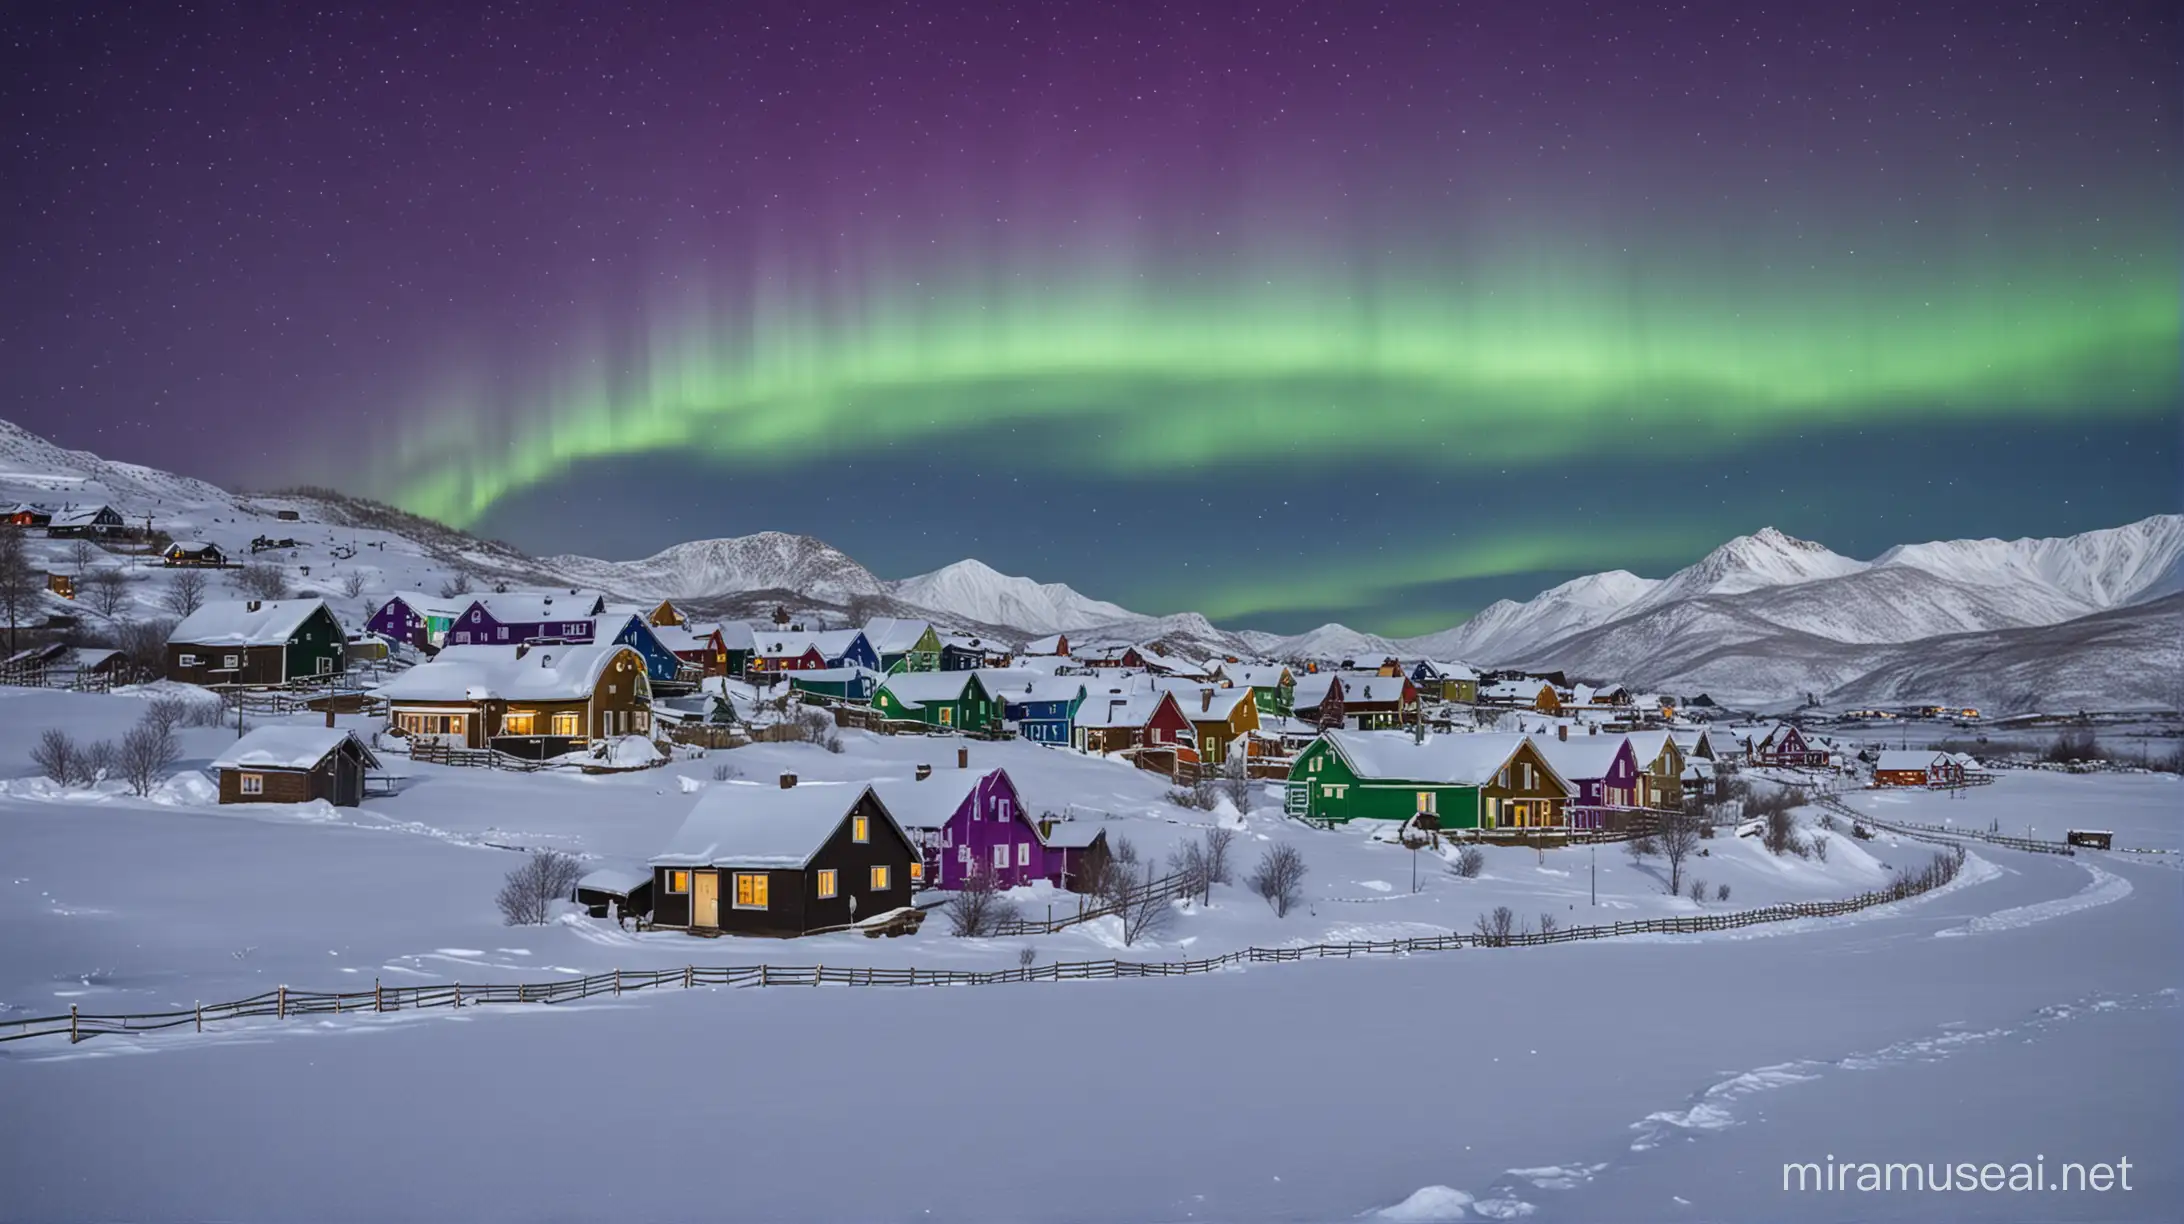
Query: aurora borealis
[(1283, 314)]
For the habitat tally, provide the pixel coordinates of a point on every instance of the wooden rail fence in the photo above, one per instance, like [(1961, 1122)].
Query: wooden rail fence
[(285, 1003), (1930, 832)]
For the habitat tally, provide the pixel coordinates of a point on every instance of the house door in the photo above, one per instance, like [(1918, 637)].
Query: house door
[(705, 899), (947, 716)]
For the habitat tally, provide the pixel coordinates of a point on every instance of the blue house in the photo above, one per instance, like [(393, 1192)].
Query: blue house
[(662, 665), (846, 648), (1042, 709)]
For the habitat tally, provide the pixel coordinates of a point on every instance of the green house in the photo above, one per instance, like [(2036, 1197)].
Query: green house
[(851, 684), (938, 699), (1393, 775), (1273, 688), (904, 645)]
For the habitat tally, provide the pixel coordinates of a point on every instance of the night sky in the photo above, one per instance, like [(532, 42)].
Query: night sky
[(1283, 313)]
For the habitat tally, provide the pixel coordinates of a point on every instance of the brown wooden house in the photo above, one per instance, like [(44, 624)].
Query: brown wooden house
[(667, 614), (292, 764), (1660, 769), (1220, 717), (530, 701), (208, 556), (257, 643), (787, 860), (1525, 792), (1109, 721)]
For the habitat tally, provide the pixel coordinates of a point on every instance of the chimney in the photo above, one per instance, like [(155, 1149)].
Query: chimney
[(962, 758), (788, 781), (1562, 732), (924, 772)]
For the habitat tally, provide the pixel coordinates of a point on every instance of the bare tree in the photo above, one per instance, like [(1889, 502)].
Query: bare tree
[(20, 584), (143, 643), (1219, 868), (94, 761), (1236, 778), (55, 755), (1677, 838), (1548, 924), (1470, 861), (1189, 862), (81, 553), (458, 583), (978, 910), (1279, 878), (1026, 957), (261, 580), (107, 590), (353, 583), (185, 593), (1495, 930), (147, 753), (168, 712), (1819, 845), (1140, 902), (1721, 893), (528, 894)]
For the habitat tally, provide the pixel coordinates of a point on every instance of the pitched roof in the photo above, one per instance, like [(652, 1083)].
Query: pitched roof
[(78, 516), (737, 635), (834, 643), (1049, 645), (480, 673), (518, 608), (1371, 686), (1920, 759), (288, 747), (785, 644), (1110, 709), (1202, 703), (1257, 676), (245, 622), (432, 605), (894, 635), (833, 675), (931, 803), (1527, 690), (744, 825), (1581, 757), (1647, 745), (917, 688), (1458, 760), (1019, 684), (1073, 834)]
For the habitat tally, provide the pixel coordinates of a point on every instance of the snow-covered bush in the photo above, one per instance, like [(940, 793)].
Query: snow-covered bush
[(978, 909), (528, 894), (1279, 878), (1470, 861)]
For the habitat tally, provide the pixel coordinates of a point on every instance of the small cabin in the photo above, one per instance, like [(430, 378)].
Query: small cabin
[(208, 555), (2092, 839), (795, 860), (291, 764)]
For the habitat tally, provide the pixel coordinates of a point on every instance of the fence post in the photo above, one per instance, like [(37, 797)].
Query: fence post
[(280, 1003), (379, 1004), (617, 983), (688, 974), (818, 972), (199, 1008), (762, 975), (72, 1038), (458, 994)]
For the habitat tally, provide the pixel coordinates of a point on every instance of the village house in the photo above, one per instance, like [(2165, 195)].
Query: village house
[(955, 700), (1539, 695), (1438, 681), (1111, 721), (421, 620), (1472, 781), (256, 643), (1219, 717), (1055, 646), (1042, 709), (1785, 745), (965, 825), (741, 644), (508, 620), (962, 652), (1602, 774), (904, 645), (205, 555), (1273, 687), (666, 613), (1361, 701), (74, 521), (792, 860), (853, 685), (291, 764), (1917, 767), (1661, 768), (534, 702), (698, 646), (783, 650), (28, 514), (1110, 654)]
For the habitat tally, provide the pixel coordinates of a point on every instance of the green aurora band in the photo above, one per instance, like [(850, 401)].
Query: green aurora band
[(1138, 375)]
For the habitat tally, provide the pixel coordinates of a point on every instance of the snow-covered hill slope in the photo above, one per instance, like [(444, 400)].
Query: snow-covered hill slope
[(976, 591), (2099, 569), (1335, 643), (1505, 628), (769, 560), (1766, 558)]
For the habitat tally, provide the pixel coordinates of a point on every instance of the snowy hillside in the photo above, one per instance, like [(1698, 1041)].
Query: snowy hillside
[(2099, 569), (1504, 629), (1766, 558), (977, 591), (1334, 642), (769, 560)]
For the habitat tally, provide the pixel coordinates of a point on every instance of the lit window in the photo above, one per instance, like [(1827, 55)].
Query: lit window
[(751, 890), (678, 881), (566, 723), (826, 883), (860, 829), (253, 784), (917, 871)]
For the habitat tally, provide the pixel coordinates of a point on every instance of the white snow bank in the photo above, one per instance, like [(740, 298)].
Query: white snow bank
[(189, 788), (1429, 1203), (2106, 888)]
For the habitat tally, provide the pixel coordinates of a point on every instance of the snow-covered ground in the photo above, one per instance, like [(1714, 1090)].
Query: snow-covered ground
[(2030, 1008)]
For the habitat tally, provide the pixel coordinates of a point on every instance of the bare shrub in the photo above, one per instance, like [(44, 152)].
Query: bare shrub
[(1777, 809), (260, 580), (1279, 878), (1124, 851), (168, 712), (1548, 924), (185, 592), (95, 762), (81, 553), (147, 752), (203, 714), (458, 583), (1199, 797), (1721, 893), (528, 893), (1677, 837), (352, 584), (1236, 780), (1819, 845), (723, 772), (107, 590), (1138, 901), (1188, 861), (2071, 747), (1026, 956), (55, 756), (1697, 891), (978, 910), (1495, 930), (1470, 861), (1220, 869), (143, 643)]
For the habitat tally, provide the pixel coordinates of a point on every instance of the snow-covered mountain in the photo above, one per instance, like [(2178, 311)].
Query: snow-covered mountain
[(767, 561), (1505, 628), (1766, 558), (2099, 569), (1334, 642), (976, 591)]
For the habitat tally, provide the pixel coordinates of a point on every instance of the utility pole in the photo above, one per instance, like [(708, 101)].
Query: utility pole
[(1596, 874)]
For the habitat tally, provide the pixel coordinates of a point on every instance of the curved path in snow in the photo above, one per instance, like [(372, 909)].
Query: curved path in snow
[(1614, 1079)]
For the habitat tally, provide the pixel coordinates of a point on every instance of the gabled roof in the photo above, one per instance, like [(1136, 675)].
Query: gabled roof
[(1452, 760), (737, 635), (834, 643), (79, 516), (933, 802), (1581, 758), (834, 675), (1526, 690), (1201, 703), (432, 605), (1264, 676), (245, 622), (1647, 745), (785, 644), (1371, 686), (289, 747), (680, 640), (485, 673), (894, 635), (1073, 834), (917, 688), (518, 608), (1920, 759), (742, 825), (1026, 684), (1108, 709), (1049, 645)]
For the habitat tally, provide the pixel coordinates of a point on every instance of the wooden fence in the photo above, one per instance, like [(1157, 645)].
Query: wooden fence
[(1930, 832), (1161, 891), (284, 1003), (475, 758)]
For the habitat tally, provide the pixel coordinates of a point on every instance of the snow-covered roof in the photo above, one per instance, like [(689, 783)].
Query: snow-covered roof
[(835, 675), (432, 605), (78, 516), (1256, 676), (894, 635), (1073, 834), (614, 881), (834, 643), (784, 644), (245, 622), (520, 608), (737, 635), (1647, 745), (734, 825), (480, 673), (1050, 645), (1204, 704), (931, 803), (1027, 684), (1919, 759), (1460, 760), (1109, 709), (1515, 690), (680, 640), (1581, 757), (1371, 686), (917, 688), (288, 747)]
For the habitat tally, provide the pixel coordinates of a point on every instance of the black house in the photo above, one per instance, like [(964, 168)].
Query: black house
[(782, 861)]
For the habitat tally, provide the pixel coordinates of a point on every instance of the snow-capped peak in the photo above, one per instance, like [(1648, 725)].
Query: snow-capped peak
[(1765, 558), (975, 591)]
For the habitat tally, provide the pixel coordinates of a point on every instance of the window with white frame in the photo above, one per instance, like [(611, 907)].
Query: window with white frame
[(1001, 856), (189, 660), (253, 784), (231, 662), (1023, 854)]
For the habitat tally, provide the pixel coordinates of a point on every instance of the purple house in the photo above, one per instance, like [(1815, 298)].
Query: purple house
[(961, 821), (1602, 770), (498, 620), (419, 619)]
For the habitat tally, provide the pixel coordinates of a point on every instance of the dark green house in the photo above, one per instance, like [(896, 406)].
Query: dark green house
[(955, 700), (1273, 687), (1395, 775), (257, 643), (904, 645)]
